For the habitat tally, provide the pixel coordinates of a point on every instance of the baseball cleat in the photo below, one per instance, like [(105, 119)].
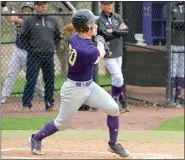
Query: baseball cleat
[(124, 106), (50, 107), (35, 146), (53, 108), (180, 101), (117, 148)]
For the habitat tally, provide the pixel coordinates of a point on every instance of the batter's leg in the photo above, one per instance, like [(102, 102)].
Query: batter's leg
[(108, 104), (72, 98), (13, 71)]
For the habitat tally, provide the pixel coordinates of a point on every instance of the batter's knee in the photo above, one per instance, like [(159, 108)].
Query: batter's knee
[(113, 110), (60, 124)]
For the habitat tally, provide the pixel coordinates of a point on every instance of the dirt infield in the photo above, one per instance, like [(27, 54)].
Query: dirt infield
[(139, 118), (92, 149)]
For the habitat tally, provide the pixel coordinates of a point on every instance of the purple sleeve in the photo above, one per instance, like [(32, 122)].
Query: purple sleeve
[(90, 54)]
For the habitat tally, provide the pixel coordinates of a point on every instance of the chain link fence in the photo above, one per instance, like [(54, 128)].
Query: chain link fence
[(13, 77), (145, 60)]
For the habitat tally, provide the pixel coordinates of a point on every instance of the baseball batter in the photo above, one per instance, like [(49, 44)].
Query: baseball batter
[(18, 59), (79, 87)]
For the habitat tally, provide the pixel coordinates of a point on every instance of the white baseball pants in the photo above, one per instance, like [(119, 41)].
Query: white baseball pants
[(177, 61), (18, 62), (114, 67)]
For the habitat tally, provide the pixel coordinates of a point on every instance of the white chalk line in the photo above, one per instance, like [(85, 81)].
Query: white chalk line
[(49, 150), (151, 155), (9, 157)]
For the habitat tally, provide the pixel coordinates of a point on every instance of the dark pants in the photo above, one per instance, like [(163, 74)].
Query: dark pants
[(34, 63)]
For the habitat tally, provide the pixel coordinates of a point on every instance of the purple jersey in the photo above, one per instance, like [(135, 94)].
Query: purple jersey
[(18, 28), (82, 55)]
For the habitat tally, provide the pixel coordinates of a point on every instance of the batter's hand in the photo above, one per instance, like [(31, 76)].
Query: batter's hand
[(68, 31), (3, 3)]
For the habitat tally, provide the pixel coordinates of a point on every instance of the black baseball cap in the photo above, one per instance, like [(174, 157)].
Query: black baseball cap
[(38, 2), (106, 2)]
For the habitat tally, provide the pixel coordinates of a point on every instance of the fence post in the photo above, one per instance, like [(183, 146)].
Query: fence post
[(168, 53), (95, 71)]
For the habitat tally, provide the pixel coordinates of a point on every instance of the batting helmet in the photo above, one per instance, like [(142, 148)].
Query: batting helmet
[(27, 4), (81, 18)]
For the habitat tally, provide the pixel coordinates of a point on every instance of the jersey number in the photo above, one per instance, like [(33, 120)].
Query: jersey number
[(72, 55)]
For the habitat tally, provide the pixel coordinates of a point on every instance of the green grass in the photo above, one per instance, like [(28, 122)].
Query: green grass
[(24, 127), (21, 81), (103, 135), (35, 123), (24, 123), (175, 124)]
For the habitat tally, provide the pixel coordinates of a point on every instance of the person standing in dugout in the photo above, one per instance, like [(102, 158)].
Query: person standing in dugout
[(39, 36), (112, 28), (177, 50), (18, 59), (79, 87)]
